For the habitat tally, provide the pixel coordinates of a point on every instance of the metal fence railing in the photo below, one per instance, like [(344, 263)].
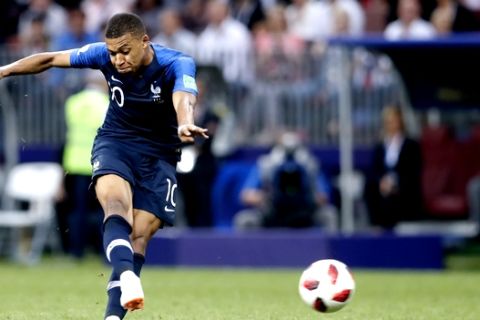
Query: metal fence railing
[(300, 95), (37, 105), (304, 96)]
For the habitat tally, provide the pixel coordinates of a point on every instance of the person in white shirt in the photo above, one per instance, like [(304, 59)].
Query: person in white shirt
[(351, 13), (309, 20), (99, 11), (409, 25), (227, 43)]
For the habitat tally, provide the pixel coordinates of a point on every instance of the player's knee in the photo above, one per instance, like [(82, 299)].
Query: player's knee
[(115, 205)]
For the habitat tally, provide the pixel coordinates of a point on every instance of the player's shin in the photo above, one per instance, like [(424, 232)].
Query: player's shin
[(116, 243), (138, 261)]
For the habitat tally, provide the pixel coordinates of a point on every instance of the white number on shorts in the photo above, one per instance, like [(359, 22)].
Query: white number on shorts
[(171, 192)]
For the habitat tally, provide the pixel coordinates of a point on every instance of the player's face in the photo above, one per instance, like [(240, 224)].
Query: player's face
[(128, 53)]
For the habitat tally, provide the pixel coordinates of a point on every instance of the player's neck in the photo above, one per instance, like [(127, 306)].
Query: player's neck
[(148, 56)]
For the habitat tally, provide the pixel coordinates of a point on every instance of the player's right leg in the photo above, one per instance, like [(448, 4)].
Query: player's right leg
[(115, 195)]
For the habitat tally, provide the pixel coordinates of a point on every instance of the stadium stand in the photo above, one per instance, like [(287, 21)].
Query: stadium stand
[(445, 174)]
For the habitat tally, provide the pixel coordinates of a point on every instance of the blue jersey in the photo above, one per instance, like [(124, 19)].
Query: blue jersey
[(141, 115)]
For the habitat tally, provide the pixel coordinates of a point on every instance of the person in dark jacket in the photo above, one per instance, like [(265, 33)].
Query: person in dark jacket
[(393, 184)]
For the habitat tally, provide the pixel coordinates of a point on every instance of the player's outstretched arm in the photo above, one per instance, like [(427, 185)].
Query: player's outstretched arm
[(36, 63), (184, 104)]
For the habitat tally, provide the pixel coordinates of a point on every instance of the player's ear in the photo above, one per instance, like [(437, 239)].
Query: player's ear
[(145, 40)]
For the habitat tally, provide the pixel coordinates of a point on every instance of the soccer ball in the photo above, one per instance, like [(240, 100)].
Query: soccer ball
[(327, 285)]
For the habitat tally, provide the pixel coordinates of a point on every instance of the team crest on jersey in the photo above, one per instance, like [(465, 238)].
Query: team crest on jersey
[(156, 93)]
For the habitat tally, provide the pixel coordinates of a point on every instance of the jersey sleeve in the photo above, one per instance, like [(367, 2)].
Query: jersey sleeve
[(184, 73), (92, 55)]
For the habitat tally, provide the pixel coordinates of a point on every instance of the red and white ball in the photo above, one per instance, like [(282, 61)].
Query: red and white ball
[(327, 285)]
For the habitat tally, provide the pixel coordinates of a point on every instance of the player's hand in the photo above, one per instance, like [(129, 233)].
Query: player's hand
[(188, 132)]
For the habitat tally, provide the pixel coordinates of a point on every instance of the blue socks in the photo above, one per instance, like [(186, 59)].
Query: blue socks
[(119, 253), (138, 261), (116, 243), (114, 293)]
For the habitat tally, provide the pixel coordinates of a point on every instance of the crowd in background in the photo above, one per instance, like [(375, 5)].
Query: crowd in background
[(280, 34), (213, 28), (41, 24)]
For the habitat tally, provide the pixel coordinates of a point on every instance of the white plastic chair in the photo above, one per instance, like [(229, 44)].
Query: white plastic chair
[(37, 184)]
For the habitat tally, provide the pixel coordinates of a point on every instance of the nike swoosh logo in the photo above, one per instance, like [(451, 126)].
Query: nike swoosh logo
[(167, 209), (115, 79)]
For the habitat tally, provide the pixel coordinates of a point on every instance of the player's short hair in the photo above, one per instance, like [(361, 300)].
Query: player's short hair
[(123, 23)]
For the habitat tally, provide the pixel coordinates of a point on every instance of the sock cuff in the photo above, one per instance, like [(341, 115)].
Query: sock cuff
[(117, 243), (119, 220)]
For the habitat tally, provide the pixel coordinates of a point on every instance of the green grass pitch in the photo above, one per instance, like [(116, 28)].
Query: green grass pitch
[(59, 289)]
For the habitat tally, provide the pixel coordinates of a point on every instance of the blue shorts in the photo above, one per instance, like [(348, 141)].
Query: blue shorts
[(153, 180)]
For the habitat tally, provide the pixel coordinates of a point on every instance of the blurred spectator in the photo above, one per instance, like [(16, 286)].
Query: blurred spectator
[(442, 21), (279, 58), (99, 11), (248, 12), (226, 43), (314, 21), (348, 17), (309, 20), (74, 36), (84, 113), (393, 183), (376, 12), (341, 22), (36, 38), (148, 11), (55, 17), (278, 52), (173, 34), (194, 15), (450, 16), (287, 189), (371, 70), (427, 8), (409, 24)]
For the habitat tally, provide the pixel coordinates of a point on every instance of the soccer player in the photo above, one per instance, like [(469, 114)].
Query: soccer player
[(152, 99)]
